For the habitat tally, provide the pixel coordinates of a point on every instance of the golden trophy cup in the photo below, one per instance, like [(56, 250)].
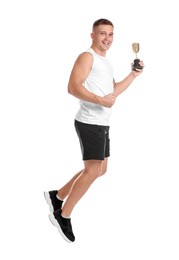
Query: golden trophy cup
[(136, 66)]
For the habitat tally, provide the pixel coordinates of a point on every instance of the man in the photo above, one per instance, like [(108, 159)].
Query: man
[(92, 82)]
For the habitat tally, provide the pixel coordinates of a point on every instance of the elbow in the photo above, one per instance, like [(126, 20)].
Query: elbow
[(72, 90)]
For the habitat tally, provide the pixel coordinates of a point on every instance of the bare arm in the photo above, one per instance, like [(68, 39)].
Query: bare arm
[(121, 86), (80, 71)]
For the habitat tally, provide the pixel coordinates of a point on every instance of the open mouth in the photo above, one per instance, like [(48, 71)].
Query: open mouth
[(106, 44)]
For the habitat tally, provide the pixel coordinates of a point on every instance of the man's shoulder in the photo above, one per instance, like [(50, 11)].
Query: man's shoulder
[(87, 53), (85, 56)]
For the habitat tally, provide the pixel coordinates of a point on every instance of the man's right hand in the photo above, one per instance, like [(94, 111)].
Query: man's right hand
[(108, 100)]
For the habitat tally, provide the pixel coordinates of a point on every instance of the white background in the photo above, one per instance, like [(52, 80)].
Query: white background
[(132, 212)]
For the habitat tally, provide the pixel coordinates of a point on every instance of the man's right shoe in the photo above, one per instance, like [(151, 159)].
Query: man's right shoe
[(52, 201), (63, 225)]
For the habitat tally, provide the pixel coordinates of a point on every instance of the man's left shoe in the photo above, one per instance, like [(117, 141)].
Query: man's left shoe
[(63, 224)]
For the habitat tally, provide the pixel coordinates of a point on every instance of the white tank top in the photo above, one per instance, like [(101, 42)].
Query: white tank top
[(99, 82)]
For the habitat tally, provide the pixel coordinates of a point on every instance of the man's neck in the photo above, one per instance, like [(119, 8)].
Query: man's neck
[(99, 52)]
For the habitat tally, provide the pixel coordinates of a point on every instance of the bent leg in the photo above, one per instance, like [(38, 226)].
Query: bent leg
[(92, 170), (65, 190)]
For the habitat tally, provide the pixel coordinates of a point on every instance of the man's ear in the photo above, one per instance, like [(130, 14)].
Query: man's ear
[(92, 35)]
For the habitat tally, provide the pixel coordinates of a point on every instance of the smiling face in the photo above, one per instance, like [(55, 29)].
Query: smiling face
[(102, 38)]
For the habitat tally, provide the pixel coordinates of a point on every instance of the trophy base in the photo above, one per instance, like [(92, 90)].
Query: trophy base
[(136, 66)]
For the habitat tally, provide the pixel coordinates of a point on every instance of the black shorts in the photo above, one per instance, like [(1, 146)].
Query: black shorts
[(94, 141)]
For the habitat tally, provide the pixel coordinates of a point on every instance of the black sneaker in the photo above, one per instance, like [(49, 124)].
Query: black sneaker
[(52, 200), (63, 225)]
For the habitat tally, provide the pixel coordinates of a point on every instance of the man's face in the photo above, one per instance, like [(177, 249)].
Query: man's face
[(102, 37)]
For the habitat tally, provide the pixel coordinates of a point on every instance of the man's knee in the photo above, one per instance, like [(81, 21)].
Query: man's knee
[(103, 171), (94, 169)]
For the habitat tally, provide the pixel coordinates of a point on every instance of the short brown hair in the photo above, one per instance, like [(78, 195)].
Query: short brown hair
[(102, 21)]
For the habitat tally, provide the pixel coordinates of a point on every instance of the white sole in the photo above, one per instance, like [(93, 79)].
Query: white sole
[(48, 200), (55, 223)]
